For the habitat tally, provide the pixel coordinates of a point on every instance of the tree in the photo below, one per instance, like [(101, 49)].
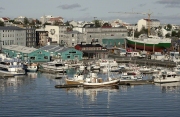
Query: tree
[(142, 31), (26, 21), (167, 35), (174, 34), (1, 23), (169, 27), (67, 23), (32, 22), (97, 23)]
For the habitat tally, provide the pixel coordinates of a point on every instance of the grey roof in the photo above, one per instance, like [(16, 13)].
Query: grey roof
[(20, 48), (73, 32), (55, 48), (10, 28)]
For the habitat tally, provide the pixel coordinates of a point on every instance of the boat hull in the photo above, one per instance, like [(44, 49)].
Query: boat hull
[(159, 80), (103, 84), (72, 82), (148, 47)]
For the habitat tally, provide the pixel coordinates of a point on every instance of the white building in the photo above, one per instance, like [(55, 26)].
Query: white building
[(144, 23), (56, 33), (51, 19), (12, 35), (19, 19)]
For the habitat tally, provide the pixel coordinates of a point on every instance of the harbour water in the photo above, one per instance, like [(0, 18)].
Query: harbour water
[(35, 95)]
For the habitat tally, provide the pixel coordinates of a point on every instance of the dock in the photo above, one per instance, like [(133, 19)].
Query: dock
[(144, 61), (51, 71), (138, 82), (69, 86), (6, 75)]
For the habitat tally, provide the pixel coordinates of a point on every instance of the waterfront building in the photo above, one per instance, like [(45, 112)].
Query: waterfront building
[(31, 36), (41, 37), (12, 35), (114, 41), (92, 50), (92, 34), (26, 53), (56, 33), (62, 52), (72, 38)]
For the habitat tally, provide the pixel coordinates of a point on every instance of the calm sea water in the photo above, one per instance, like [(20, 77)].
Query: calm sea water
[(35, 95)]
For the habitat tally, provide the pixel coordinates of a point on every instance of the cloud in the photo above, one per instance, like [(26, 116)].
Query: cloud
[(84, 9), (70, 6), (1, 8), (141, 5), (169, 3)]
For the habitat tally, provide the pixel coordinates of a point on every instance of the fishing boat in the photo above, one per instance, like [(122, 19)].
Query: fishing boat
[(11, 66), (93, 81), (78, 78), (31, 67), (125, 77), (54, 66), (150, 43), (166, 77)]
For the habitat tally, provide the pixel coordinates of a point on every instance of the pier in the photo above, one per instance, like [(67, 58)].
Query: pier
[(143, 61)]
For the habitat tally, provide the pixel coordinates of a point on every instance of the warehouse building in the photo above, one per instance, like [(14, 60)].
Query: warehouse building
[(64, 53), (26, 53)]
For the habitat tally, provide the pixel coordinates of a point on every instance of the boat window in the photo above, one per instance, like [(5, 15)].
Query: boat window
[(57, 65)]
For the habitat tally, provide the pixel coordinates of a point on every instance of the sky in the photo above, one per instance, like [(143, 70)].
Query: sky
[(167, 11)]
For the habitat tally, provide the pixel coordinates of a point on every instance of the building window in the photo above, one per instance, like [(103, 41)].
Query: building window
[(68, 57), (72, 35), (89, 35), (45, 57), (32, 58)]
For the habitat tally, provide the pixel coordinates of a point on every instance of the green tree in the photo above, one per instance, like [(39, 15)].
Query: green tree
[(97, 23), (38, 22), (167, 35), (26, 21), (1, 23), (11, 21), (67, 23), (169, 27), (142, 31), (32, 22), (174, 34)]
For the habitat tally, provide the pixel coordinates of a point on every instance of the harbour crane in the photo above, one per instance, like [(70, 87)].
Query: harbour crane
[(145, 13)]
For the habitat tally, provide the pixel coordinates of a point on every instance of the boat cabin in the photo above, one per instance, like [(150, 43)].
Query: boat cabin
[(133, 54)]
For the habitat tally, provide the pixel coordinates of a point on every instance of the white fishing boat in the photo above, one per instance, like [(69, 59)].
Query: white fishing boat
[(78, 78), (145, 69), (11, 66), (105, 62), (31, 67), (177, 69), (55, 66), (124, 77), (166, 77), (93, 81)]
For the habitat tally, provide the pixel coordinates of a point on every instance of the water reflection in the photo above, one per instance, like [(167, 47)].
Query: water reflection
[(169, 87), (32, 74), (14, 84), (93, 93)]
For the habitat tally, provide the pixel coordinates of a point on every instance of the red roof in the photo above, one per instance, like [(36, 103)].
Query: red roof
[(4, 18)]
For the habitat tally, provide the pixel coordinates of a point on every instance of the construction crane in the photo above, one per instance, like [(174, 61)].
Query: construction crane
[(145, 13)]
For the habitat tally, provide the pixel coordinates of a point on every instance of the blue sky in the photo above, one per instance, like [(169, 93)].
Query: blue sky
[(167, 11)]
